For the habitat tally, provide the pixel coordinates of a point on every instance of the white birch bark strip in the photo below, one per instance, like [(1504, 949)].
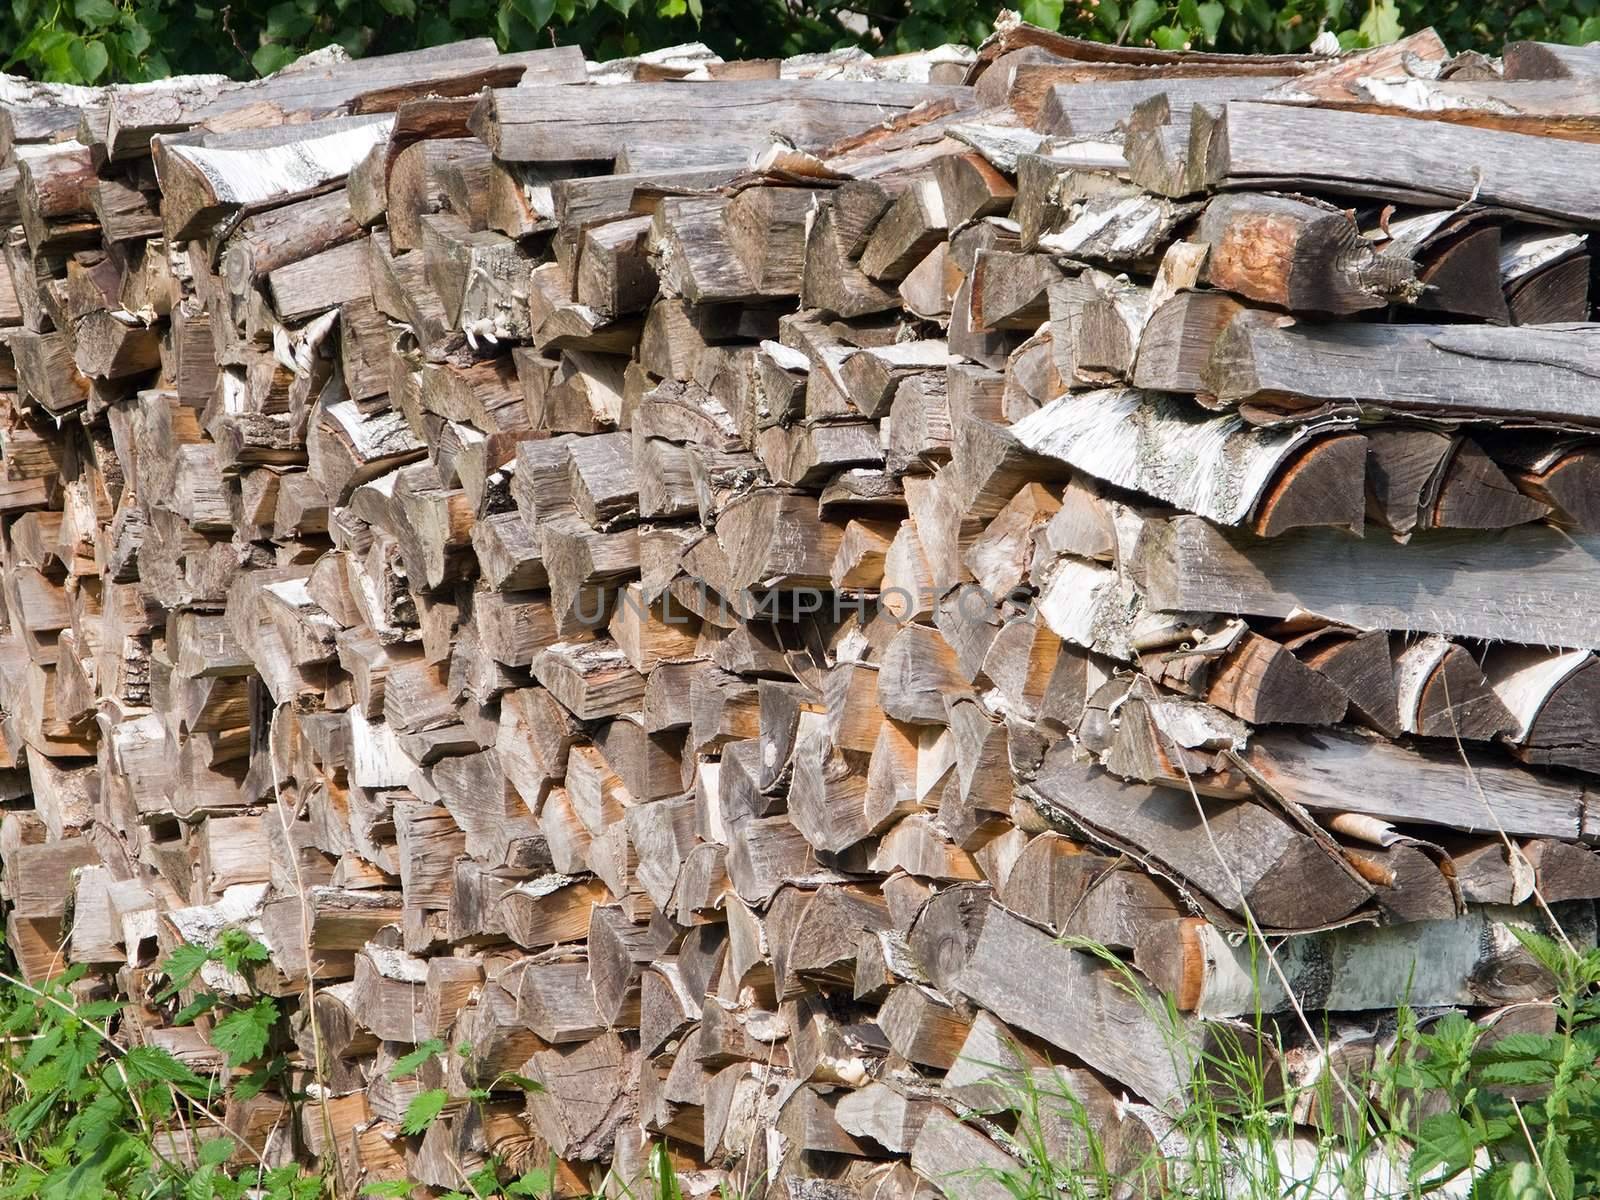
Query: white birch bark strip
[(256, 175), (1214, 466)]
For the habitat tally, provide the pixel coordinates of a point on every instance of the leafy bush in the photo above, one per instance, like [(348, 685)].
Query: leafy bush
[(99, 41)]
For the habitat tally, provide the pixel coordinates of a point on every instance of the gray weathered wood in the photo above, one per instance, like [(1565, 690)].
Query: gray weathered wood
[(1550, 373), (1335, 771), (1251, 859), (1253, 145), (1513, 585), (556, 124)]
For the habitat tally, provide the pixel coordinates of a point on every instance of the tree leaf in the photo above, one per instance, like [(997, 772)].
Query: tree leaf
[(1211, 15), (1521, 1073), (1044, 13), (1549, 953), (1382, 23), (96, 14), (1169, 37), (1141, 16), (424, 1107), (272, 57)]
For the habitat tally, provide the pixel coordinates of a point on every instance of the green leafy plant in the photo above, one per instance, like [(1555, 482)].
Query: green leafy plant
[(90, 1100), (1527, 1104), (100, 41)]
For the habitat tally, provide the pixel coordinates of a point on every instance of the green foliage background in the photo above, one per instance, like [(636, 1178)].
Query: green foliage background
[(99, 41)]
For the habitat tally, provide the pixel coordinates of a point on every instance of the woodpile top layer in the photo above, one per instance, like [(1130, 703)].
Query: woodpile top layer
[(685, 581)]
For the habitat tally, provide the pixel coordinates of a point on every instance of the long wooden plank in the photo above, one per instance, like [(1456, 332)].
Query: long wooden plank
[(1252, 141), (1336, 771), (1241, 854), (1087, 109), (1471, 961), (557, 124), (324, 89), (1523, 584), (1545, 373)]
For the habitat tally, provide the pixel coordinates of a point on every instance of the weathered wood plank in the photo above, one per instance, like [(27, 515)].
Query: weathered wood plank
[(1252, 144), (556, 124), (1548, 373), (1513, 585)]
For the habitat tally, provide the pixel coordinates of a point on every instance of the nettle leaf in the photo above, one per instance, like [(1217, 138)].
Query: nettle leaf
[(215, 1152), (253, 1084), (389, 1189), (407, 1064), (1515, 1047), (531, 1183), (1446, 1141), (182, 965), (41, 1048), (423, 1109), (236, 950), (152, 1064), (243, 1035), (186, 1015), (1557, 1166), (521, 1081)]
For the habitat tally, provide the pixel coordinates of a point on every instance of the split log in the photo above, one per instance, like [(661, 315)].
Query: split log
[(1479, 586)]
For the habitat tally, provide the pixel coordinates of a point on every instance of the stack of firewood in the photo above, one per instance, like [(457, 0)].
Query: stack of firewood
[(693, 582)]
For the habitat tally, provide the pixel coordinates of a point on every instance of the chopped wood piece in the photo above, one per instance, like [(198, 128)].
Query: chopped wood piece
[(1297, 255), (1503, 588), (553, 124)]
